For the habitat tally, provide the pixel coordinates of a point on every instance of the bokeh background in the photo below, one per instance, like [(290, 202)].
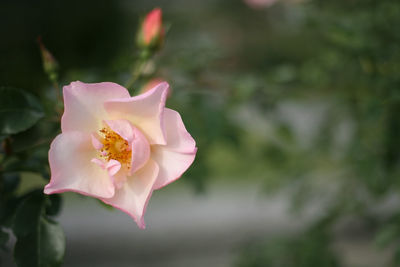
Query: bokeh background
[(295, 107)]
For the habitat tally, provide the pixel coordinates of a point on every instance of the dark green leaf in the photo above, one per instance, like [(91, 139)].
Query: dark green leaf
[(52, 243), (19, 110), (40, 134), (53, 206), (40, 241), (34, 163), (4, 236), (7, 210), (28, 213), (11, 182), (2, 138)]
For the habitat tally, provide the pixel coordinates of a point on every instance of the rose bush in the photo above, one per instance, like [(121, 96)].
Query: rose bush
[(118, 148)]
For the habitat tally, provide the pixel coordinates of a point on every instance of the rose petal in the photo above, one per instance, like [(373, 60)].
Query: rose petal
[(119, 179), (135, 193), (172, 164), (84, 105), (99, 162), (96, 142), (145, 111), (122, 127), (72, 169), (140, 151), (178, 154), (113, 166), (178, 138)]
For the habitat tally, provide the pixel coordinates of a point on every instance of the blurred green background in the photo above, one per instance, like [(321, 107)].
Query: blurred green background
[(297, 100)]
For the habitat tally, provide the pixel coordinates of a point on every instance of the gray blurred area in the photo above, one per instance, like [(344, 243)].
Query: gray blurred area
[(185, 229), (182, 229)]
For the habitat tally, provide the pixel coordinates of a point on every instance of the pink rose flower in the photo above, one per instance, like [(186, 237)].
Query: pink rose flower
[(152, 31), (118, 148)]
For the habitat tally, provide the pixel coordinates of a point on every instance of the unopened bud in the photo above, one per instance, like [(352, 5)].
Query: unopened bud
[(50, 65), (151, 32)]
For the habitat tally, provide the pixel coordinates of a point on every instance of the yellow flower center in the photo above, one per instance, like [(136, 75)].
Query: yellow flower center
[(115, 147)]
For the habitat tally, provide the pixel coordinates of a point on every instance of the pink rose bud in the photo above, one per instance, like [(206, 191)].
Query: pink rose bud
[(50, 65), (152, 32)]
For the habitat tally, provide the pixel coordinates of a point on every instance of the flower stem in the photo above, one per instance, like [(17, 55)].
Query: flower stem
[(141, 63)]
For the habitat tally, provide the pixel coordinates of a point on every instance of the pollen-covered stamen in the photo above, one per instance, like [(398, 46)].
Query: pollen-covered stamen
[(115, 147)]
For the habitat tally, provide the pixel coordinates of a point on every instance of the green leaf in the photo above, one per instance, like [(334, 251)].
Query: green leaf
[(40, 241), (28, 213), (34, 163), (4, 236), (19, 110), (53, 205), (11, 182), (7, 210), (41, 134), (52, 243)]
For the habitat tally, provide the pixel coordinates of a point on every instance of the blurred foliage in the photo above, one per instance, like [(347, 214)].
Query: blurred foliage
[(303, 95), (349, 71), (42, 241), (312, 249)]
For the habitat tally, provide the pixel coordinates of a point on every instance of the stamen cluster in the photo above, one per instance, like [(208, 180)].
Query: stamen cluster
[(115, 147)]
